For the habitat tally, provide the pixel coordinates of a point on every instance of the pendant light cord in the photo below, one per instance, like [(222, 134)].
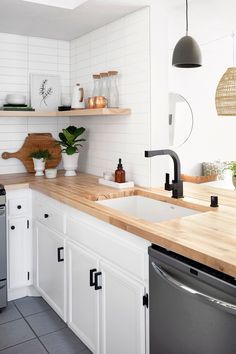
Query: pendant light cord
[(186, 17)]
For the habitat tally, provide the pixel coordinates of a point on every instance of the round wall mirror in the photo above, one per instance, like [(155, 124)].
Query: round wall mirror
[(180, 120)]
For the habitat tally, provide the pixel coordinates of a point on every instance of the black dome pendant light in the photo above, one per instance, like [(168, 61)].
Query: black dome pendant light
[(187, 53)]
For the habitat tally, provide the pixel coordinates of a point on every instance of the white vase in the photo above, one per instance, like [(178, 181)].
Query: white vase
[(234, 181), (70, 163), (39, 166)]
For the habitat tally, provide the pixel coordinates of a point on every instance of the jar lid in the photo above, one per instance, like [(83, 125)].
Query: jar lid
[(97, 76), (112, 72), (103, 74)]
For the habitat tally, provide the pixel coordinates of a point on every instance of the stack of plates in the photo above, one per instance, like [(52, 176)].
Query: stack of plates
[(16, 102), (16, 99)]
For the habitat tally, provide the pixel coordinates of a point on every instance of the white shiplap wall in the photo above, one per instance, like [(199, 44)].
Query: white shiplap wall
[(20, 56), (124, 46)]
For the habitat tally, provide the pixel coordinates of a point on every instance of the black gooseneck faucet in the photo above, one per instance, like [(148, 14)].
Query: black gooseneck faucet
[(177, 184)]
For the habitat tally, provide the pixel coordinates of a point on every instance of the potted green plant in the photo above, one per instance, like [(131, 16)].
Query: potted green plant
[(232, 167), (39, 158), (69, 141)]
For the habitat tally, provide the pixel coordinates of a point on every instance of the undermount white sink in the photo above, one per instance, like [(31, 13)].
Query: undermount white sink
[(147, 209)]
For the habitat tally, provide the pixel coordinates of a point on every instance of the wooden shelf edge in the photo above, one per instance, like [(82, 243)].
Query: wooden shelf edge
[(27, 114), (72, 113), (99, 112)]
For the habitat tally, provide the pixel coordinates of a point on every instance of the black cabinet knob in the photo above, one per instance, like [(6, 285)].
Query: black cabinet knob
[(12, 227), (96, 286), (18, 206), (91, 273), (46, 216), (214, 201), (59, 257)]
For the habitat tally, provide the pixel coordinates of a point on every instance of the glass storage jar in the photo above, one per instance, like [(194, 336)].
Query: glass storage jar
[(96, 85), (113, 96), (104, 85)]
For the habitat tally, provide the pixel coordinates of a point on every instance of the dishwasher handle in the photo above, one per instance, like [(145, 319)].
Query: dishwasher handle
[(224, 306), (2, 210)]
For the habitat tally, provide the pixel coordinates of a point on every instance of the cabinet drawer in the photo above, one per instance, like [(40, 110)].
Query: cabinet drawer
[(110, 246), (18, 207), (49, 216)]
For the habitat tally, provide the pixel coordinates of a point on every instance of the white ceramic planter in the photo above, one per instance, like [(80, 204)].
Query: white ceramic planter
[(234, 181), (39, 166), (70, 163)]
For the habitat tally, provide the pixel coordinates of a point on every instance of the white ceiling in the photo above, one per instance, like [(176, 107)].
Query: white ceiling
[(67, 4), (209, 20), (50, 21)]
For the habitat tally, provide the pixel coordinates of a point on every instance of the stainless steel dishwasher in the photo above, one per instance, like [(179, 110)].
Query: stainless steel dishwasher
[(192, 307), (3, 249)]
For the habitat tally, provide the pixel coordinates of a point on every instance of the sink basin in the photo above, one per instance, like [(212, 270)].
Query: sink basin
[(147, 209)]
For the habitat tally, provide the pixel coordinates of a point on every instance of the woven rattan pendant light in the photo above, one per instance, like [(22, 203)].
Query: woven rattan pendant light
[(225, 98), (187, 53)]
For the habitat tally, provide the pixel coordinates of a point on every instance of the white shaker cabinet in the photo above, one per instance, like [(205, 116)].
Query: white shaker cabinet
[(82, 299), (105, 306), (50, 272), (105, 293), (99, 289), (19, 241), (122, 314)]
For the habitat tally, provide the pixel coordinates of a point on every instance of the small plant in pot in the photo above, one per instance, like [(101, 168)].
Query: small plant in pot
[(69, 141), (232, 167), (39, 158)]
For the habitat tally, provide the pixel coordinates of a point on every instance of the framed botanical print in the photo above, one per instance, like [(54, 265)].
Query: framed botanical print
[(45, 92)]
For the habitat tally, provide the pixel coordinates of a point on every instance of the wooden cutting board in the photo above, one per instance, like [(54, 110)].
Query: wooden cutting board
[(35, 141)]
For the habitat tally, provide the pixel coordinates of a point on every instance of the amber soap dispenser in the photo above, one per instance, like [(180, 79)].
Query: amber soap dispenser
[(120, 173)]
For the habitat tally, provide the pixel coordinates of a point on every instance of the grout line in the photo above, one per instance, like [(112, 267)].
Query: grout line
[(39, 337), (36, 313), (31, 313), (84, 350), (36, 334), (58, 330), (16, 345), (16, 319)]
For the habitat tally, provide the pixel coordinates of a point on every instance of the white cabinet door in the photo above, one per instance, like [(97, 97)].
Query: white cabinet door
[(122, 313), (50, 268), (82, 297), (19, 239)]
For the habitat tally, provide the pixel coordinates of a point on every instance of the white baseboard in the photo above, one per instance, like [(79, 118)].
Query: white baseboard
[(18, 293)]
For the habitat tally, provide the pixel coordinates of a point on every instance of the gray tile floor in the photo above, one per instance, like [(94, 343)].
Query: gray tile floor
[(30, 326)]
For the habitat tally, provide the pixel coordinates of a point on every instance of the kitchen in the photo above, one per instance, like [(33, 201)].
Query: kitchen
[(95, 265)]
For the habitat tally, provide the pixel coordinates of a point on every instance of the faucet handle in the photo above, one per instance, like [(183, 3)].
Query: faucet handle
[(167, 178), (168, 186)]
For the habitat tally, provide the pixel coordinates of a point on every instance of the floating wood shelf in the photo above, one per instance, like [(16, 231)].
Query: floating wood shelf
[(74, 113), (27, 114)]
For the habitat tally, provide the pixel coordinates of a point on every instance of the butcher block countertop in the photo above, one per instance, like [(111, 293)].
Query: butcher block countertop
[(208, 237)]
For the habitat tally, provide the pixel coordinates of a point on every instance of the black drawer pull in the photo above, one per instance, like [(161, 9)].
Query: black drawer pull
[(91, 280), (46, 216), (59, 258), (12, 227), (97, 287), (18, 206)]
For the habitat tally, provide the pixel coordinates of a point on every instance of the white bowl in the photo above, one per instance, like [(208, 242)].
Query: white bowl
[(51, 172), (15, 99)]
